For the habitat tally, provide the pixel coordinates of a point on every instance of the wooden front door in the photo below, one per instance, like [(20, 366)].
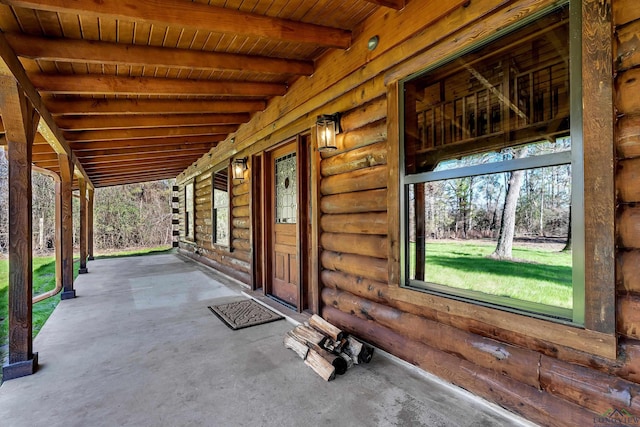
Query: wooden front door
[(283, 222)]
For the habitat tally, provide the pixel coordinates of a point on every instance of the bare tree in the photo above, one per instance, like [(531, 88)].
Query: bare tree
[(508, 224)]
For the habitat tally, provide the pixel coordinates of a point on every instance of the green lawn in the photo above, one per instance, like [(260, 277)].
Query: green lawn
[(540, 276), (44, 279)]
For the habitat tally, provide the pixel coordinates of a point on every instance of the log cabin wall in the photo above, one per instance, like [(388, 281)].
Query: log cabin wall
[(233, 260), (548, 377)]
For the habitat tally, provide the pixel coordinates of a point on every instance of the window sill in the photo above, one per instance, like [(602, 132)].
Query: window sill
[(592, 342)]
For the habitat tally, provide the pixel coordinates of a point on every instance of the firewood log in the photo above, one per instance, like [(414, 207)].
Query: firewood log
[(320, 365), (334, 346), (335, 360), (326, 328), (358, 351), (348, 359), (305, 334), (291, 342)]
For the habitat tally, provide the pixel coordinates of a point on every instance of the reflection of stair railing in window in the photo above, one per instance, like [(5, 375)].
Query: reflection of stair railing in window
[(544, 90), (504, 99), (540, 97)]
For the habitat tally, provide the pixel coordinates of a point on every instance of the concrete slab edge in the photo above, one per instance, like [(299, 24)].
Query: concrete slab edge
[(517, 420)]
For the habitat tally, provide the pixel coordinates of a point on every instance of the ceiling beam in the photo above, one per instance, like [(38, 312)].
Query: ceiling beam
[(198, 16), (117, 134), (83, 106), (99, 84), (126, 121), (79, 147), (10, 65), (98, 52)]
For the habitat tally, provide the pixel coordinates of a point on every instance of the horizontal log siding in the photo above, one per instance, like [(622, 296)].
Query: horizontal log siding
[(543, 381), (627, 148), (353, 200), (235, 260), (354, 286)]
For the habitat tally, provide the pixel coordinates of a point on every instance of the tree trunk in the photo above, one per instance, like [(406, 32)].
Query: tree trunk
[(567, 246), (508, 224)]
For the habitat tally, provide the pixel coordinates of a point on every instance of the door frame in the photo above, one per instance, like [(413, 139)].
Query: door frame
[(263, 218)]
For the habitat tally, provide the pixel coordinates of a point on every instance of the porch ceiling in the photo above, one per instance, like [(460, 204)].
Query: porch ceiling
[(140, 89)]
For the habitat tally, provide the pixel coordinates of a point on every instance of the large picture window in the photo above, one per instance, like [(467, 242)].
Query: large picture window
[(220, 207), (490, 193)]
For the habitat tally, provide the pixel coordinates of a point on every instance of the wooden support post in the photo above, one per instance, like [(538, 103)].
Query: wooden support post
[(83, 226), (90, 223), (58, 231), (20, 123), (66, 181)]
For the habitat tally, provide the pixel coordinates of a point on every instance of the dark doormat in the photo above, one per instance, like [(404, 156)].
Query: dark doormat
[(243, 314)]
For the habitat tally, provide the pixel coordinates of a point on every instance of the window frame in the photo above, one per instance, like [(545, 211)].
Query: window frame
[(214, 217), (598, 335), (518, 306), (574, 315)]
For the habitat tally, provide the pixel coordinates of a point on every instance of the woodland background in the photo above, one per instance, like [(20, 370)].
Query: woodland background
[(129, 216)]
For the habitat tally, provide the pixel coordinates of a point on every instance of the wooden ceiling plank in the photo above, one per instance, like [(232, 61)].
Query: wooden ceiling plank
[(8, 21), (134, 166), (148, 121), (44, 156), (139, 177), (182, 148), (119, 134), (107, 183), (43, 149), (393, 4), (95, 166), (78, 147), (136, 179), (178, 157), (10, 65), (182, 14), (150, 106), (92, 84), (146, 168), (116, 173)]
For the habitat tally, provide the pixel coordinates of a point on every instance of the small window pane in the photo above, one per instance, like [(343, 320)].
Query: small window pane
[(462, 235), (286, 192), (221, 207), (189, 211)]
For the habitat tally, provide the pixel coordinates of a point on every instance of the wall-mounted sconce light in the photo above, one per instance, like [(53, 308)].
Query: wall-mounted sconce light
[(239, 166), (327, 126)]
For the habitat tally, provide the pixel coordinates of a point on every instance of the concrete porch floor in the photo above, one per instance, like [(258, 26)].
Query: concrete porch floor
[(139, 347)]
